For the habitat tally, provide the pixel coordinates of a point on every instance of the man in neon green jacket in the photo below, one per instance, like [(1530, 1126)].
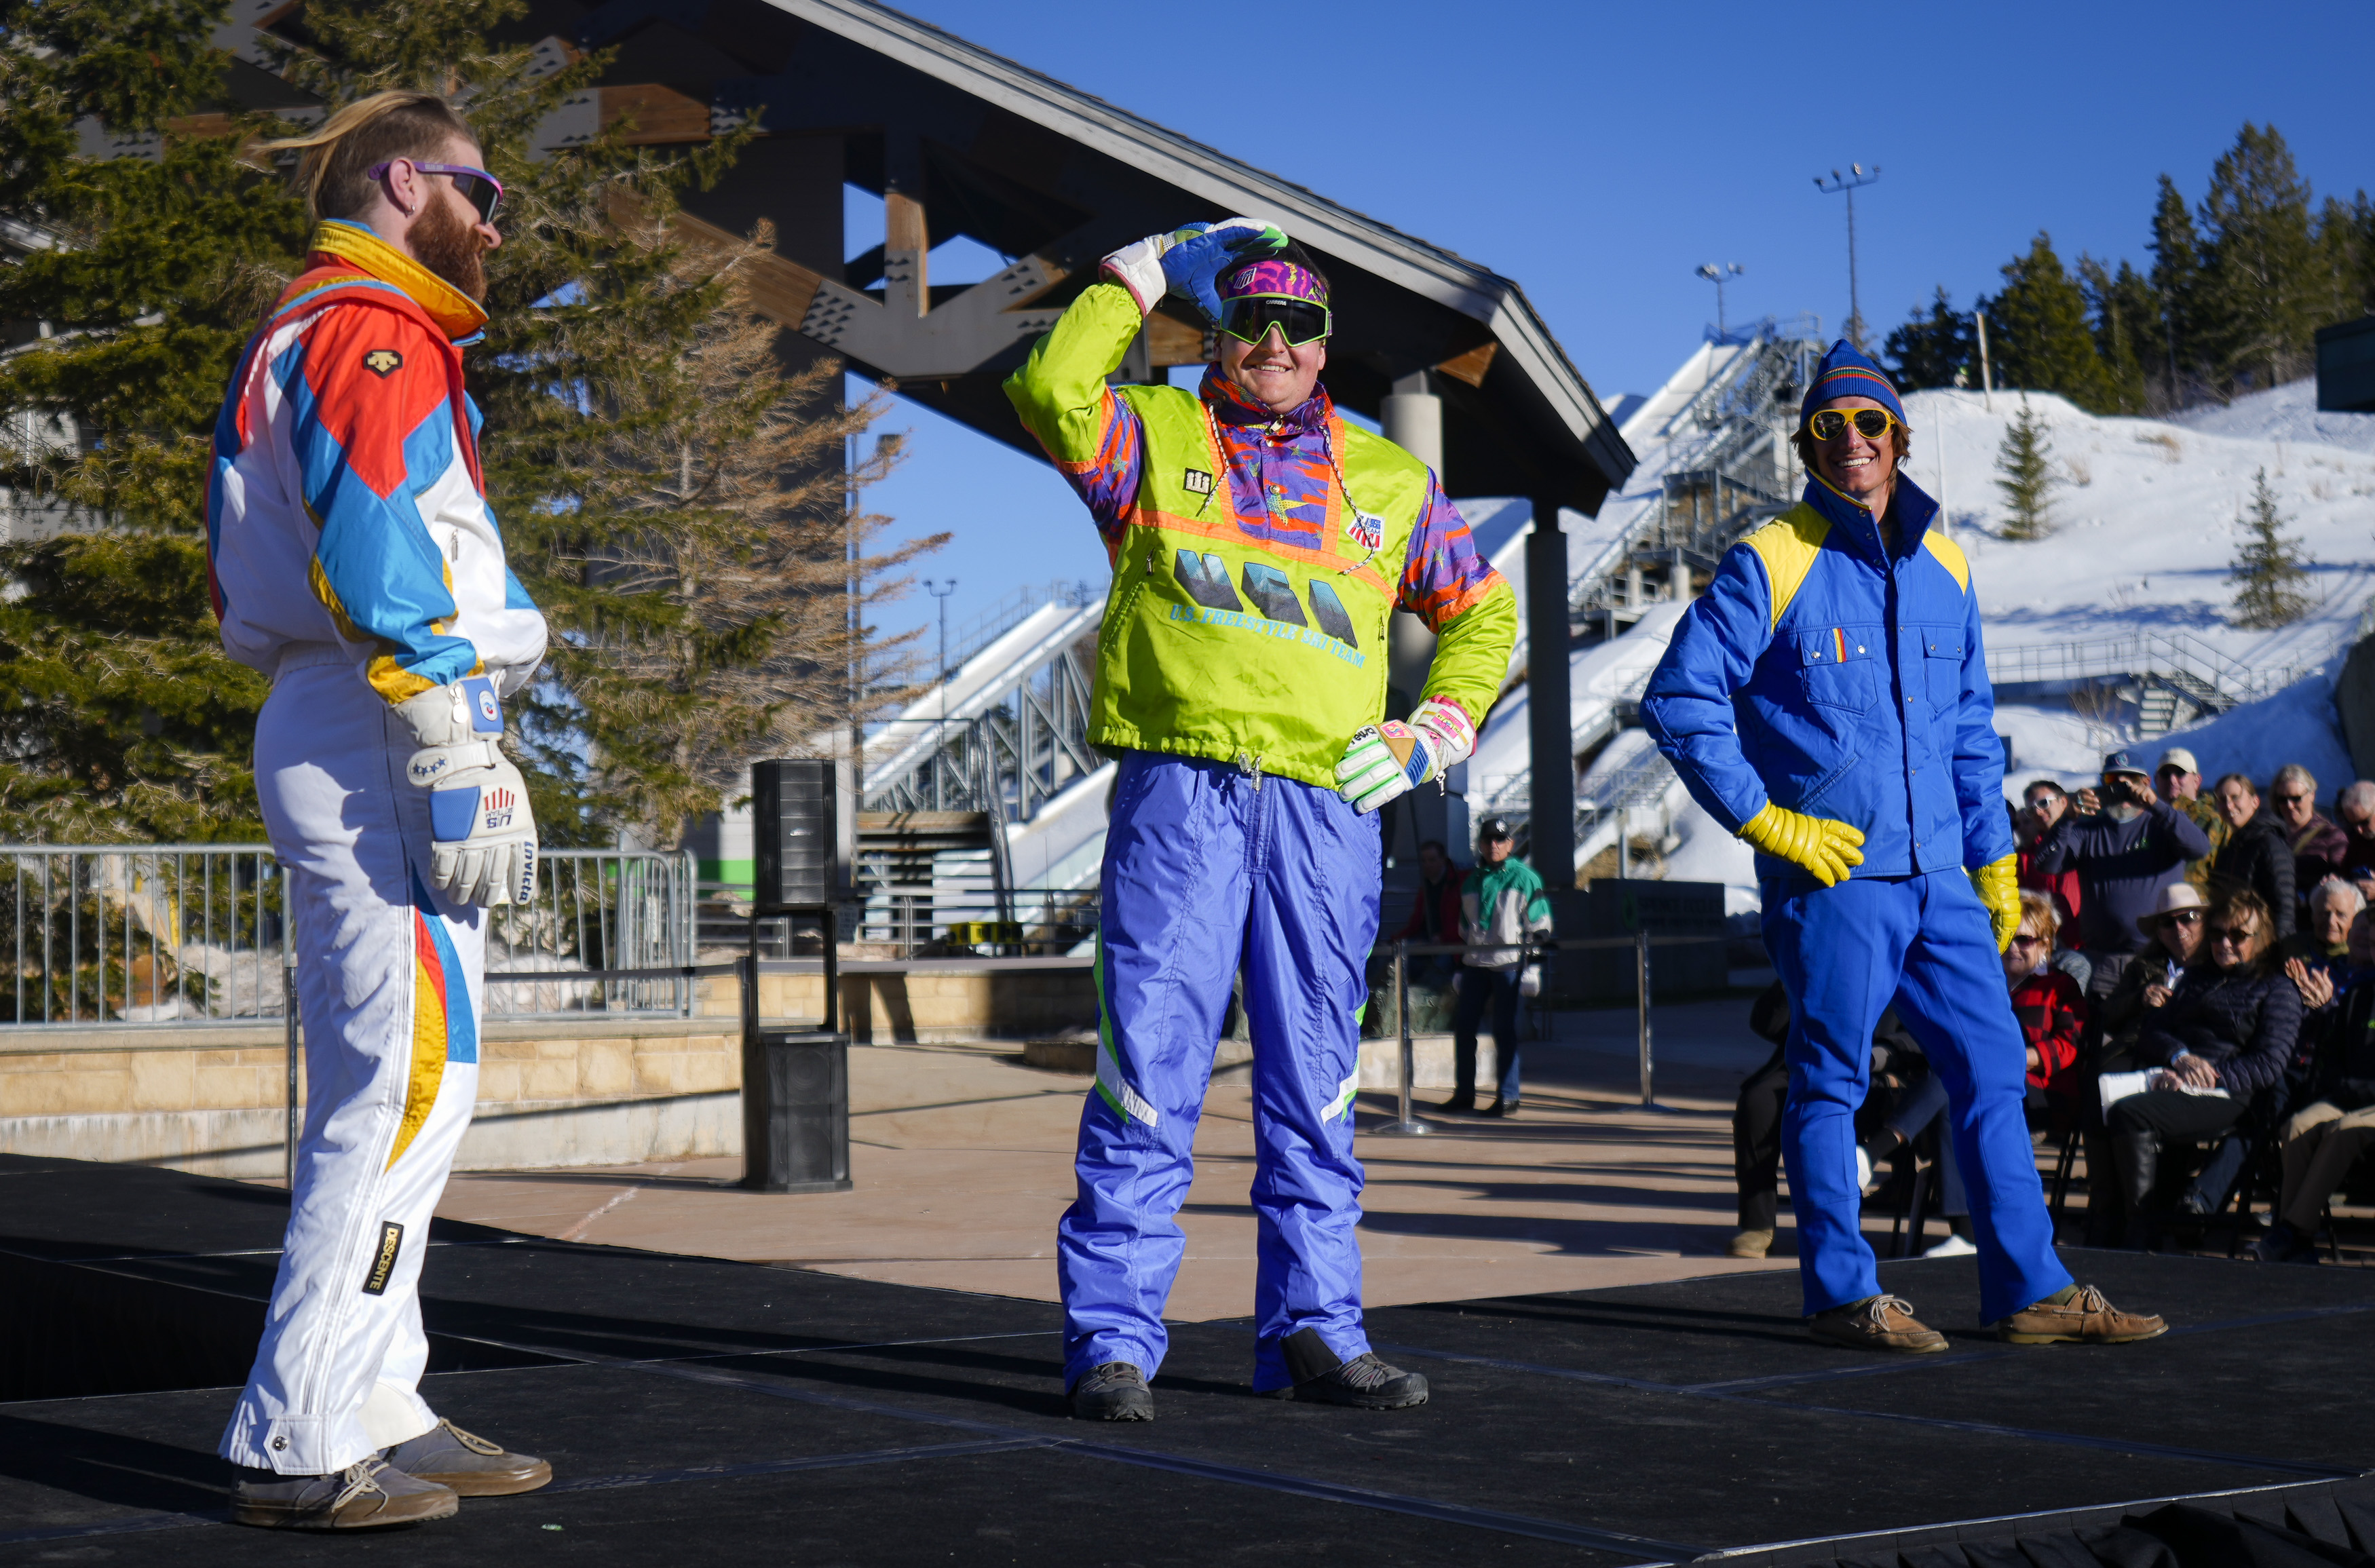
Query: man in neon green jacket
[(1259, 548)]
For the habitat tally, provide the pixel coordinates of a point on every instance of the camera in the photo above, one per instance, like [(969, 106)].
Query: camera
[(2117, 791)]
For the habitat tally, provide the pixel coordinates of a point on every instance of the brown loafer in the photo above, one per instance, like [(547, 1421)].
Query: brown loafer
[(1877, 1322), (2084, 1319), (1749, 1243), (467, 1465)]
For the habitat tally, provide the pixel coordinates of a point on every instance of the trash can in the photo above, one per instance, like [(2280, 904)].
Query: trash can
[(796, 1111)]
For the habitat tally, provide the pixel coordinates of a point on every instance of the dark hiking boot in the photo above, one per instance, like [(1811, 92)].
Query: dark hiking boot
[(1877, 1322), (2086, 1318), (1364, 1382), (366, 1495), (467, 1464), (1114, 1391), (1459, 1105)]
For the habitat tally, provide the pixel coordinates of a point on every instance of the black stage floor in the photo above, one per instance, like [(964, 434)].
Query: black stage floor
[(737, 1412)]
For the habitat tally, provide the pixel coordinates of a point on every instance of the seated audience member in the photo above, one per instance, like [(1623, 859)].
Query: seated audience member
[(2323, 939), (1434, 918), (2354, 813), (2319, 847), (2178, 778), (1756, 1114), (2325, 1140), (2226, 1033), (2044, 803), (2052, 1011), (2126, 844), (2257, 859), (2174, 929)]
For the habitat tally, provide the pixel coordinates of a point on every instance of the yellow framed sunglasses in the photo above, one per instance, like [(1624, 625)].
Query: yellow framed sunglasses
[(1829, 424)]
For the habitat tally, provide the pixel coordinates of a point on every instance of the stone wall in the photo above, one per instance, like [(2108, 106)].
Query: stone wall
[(592, 1092)]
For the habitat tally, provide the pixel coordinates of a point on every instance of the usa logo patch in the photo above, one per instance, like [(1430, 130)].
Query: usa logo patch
[(1366, 528), (383, 362), (498, 808)]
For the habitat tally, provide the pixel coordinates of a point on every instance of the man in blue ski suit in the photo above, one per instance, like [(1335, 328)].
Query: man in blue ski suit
[(1828, 701), (1260, 546)]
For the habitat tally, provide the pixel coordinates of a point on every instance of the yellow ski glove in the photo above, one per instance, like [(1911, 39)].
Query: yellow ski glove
[(2000, 889), (1827, 849)]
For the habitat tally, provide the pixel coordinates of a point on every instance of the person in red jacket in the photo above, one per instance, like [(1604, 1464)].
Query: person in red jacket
[(2042, 805), (1434, 918), (2051, 1009)]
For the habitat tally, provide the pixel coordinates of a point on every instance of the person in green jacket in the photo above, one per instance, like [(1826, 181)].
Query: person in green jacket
[(1501, 902), (1259, 546)]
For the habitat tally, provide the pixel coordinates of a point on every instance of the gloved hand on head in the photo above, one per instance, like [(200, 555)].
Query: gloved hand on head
[(1392, 758), (1829, 850), (1188, 262), (483, 842)]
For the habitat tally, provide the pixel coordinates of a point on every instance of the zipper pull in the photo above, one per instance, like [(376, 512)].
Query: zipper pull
[(1250, 766)]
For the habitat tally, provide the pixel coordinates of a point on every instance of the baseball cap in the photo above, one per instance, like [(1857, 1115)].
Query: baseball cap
[(1494, 828), (2178, 757), (2124, 763)]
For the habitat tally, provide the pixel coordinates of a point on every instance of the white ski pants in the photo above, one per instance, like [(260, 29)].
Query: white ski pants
[(388, 986)]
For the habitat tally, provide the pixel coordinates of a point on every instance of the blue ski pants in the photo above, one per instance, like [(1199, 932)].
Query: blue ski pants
[(1923, 943), (1207, 871)]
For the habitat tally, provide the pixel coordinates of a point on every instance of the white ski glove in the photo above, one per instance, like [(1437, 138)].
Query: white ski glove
[(1188, 262), (1392, 758), (483, 843)]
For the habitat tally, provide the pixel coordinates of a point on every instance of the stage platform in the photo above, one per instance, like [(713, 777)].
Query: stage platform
[(712, 1411)]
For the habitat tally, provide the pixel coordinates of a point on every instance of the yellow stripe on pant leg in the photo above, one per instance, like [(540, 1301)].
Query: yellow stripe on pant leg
[(428, 1037)]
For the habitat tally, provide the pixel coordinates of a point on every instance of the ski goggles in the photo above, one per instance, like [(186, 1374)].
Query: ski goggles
[(480, 189), (1829, 424), (1248, 318)]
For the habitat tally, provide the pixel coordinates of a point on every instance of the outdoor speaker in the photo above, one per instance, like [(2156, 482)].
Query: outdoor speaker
[(796, 1113), (799, 833)]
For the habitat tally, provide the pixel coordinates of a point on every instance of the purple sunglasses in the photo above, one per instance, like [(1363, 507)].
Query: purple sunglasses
[(480, 189)]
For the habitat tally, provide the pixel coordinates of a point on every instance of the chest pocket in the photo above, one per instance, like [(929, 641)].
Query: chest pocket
[(1837, 668), (1943, 658)]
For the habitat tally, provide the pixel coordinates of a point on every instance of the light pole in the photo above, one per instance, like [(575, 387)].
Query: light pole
[(940, 768), (1718, 274), (1855, 180)]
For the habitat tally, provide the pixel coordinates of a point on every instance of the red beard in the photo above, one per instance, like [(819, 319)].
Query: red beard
[(450, 248)]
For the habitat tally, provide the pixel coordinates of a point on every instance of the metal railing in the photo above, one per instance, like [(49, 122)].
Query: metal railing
[(180, 936), (2206, 673)]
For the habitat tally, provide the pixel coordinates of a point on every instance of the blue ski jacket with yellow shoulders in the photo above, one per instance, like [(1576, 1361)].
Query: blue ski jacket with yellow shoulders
[(1835, 677)]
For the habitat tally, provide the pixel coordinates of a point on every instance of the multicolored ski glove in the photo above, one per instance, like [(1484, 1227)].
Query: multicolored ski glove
[(1188, 262), (1392, 758), (1826, 849), (1999, 888), (482, 835)]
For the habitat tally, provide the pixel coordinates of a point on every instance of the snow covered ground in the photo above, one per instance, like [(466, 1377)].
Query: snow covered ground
[(2146, 512)]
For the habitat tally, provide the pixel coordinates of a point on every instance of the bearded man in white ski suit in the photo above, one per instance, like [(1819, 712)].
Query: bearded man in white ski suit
[(353, 559)]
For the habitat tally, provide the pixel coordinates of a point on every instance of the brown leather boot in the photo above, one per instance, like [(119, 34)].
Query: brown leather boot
[(2086, 1318), (1877, 1322)]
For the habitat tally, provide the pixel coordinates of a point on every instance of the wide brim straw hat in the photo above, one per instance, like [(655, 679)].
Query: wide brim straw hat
[(2175, 896)]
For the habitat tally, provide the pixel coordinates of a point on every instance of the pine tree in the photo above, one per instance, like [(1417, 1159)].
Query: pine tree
[(120, 718), (2177, 282), (2037, 335), (2265, 274), (2122, 311), (1933, 349), (2269, 572), (2024, 474), (2343, 270)]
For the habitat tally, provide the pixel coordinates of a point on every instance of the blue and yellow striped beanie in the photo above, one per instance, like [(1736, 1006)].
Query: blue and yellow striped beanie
[(1846, 372)]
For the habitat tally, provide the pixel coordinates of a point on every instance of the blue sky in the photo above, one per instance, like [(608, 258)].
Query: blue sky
[(1598, 153)]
